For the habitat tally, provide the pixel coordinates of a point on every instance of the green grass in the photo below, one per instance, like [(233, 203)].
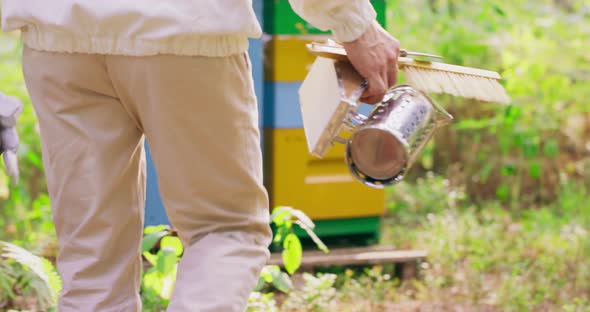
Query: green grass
[(481, 257)]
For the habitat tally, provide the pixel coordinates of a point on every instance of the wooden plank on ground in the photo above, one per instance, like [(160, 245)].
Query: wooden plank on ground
[(354, 256)]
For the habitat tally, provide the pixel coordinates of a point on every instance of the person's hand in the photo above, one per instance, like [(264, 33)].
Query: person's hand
[(374, 55), (10, 109)]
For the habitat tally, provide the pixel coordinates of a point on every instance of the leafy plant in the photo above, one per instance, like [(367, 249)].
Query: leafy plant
[(43, 270), (516, 262), (516, 153), (578, 305), (317, 294), (262, 302), (159, 279), (284, 218), (163, 250), (272, 274)]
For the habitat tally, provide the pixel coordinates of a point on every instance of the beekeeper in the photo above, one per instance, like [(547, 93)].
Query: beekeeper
[(105, 75)]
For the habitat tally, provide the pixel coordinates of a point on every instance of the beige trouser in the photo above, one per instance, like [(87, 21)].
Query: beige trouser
[(199, 115)]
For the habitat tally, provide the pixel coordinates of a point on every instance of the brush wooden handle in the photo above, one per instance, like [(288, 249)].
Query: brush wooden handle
[(336, 51), (339, 53)]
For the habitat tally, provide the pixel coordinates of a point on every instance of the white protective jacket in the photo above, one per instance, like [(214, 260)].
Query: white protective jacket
[(182, 27)]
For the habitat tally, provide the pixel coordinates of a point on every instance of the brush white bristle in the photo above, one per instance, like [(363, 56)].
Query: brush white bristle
[(456, 84)]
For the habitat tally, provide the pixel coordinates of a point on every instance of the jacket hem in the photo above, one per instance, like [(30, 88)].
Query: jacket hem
[(189, 45)]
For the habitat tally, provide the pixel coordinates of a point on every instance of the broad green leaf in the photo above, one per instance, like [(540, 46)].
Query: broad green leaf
[(486, 171), (282, 282), (303, 218), (503, 192), (155, 228), (281, 233), (288, 225), (35, 159), (259, 284), (551, 148), (268, 272), (508, 170), (152, 280), (280, 214), (530, 148), (162, 285), (42, 200), (498, 9), (172, 242), (167, 260), (151, 258), (505, 143), (518, 139), (168, 282), (292, 253), (535, 169), (314, 237), (150, 240), (512, 114)]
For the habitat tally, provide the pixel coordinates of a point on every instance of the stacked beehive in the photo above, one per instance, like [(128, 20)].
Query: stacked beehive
[(322, 188)]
